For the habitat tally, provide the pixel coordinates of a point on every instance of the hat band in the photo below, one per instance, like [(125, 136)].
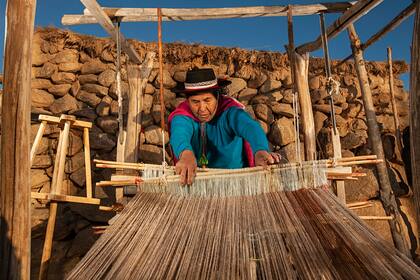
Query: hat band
[(200, 85)]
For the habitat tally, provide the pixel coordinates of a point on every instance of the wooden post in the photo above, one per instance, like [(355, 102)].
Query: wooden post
[(37, 140), (386, 194), (415, 110), (15, 190), (88, 171), (299, 67), (394, 104), (137, 79)]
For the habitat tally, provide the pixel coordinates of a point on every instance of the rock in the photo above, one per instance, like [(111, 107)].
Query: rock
[(282, 132), (359, 124), (256, 80), (106, 78), (270, 85), (247, 94), (318, 94), (42, 161), (41, 84), (124, 90), (289, 152), (87, 113), (147, 103), (40, 58), (326, 108), (314, 83), (354, 91), (354, 110), (102, 141), (75, 88), (168, 96), (63, 78), (103, 109), (250, 111), (150, 89), (264, 113), (237, 84), (97, 89), (75, 162), (63, 105), (89, 98), (42, 146), (274, 96), (70, 188), (153, 135), (88, 79), (71, 67), (35, 127), (75, 144), (319, 119), (79, 177), (348, 80), (46, 71), (179, 76), (39, 216), (287, 96), (81, 244), (59, 90), (260, 99), (93, 67), (282, 109), (354, 139), (168, 82), (375, 81), (66, 56), (150, 154), (38, 178), (108, 124), (245, 72), (91, 212), (156, 113), (41, 98)]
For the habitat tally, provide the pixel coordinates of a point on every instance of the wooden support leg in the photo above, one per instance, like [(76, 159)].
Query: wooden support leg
[(59, 164), (37, 140), (87, 163)]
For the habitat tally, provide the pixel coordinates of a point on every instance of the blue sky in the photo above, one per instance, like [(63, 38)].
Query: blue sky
[(249, 33)]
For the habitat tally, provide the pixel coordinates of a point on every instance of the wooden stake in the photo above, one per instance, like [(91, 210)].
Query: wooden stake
[(37, 140), (88, 171), (415, 111), (15, 206), (55, 189), (387, 197)]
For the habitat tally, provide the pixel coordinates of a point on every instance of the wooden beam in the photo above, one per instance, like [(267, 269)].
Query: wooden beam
[(396, 21), (415, 110), (354, 13), (386, 195), (137, 79), (15, 190), (168, 14), (103, 19), (65, 198)]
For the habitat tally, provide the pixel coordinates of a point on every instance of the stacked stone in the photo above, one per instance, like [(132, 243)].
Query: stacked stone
[(75, 75)]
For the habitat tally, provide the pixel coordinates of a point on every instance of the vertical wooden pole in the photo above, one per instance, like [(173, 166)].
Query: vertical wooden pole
[(88, 171), (162, 101), (137, 79), (37, 140), (394, 104), (415, 110), (387, 196), (299, 65), (15, 187)]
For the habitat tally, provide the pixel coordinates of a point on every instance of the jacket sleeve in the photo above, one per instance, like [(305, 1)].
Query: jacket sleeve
[(181, 134), (244, 126)]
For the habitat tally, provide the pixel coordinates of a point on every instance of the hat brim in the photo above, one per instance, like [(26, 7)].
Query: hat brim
[(181, 88)]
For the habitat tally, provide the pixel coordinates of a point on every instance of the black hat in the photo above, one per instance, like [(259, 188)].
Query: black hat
[(199, 80)]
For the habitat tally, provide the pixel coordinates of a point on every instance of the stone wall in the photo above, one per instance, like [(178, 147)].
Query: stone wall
[(75, 74)]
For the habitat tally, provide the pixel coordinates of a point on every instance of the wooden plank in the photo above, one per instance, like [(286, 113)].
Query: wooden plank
[(396, 21), (103, 19), (88, 171), (15, 222), (137, 79), (350, 16), (65, 198), (56, 120), (37, 140), (415, 110), (168, 14), (386, 195)]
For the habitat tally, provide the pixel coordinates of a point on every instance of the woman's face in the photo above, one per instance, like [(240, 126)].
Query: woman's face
[(203, 106)]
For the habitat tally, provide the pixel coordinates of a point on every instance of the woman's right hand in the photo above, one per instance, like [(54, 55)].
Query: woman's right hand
[(186, 167)]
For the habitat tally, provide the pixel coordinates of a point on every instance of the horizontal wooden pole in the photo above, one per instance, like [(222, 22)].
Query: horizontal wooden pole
[(57, 120), (181, 14), (350, 16), (383, 218), (396, 21), (65, 198)]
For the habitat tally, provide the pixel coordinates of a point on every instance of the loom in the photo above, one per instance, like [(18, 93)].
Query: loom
[(280, 222)]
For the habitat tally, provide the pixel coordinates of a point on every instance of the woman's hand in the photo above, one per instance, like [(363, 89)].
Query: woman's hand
[(186, 167), (264, 158)]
